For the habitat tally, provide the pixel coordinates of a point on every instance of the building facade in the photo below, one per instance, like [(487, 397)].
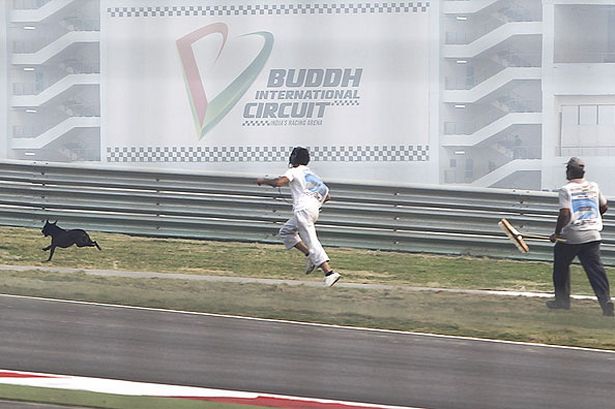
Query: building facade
[(514, 88), (53, 80), (526, 84)]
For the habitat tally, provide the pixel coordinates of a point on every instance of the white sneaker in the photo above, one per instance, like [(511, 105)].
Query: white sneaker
[(332, 279), (309, 267)]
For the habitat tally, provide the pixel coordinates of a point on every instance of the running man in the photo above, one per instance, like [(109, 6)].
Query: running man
[(309, 193)]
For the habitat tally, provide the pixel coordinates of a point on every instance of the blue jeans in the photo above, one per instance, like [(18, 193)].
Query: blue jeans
[(589, 256)]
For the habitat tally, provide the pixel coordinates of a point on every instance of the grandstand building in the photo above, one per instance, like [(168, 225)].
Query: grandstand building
[(527, 84)]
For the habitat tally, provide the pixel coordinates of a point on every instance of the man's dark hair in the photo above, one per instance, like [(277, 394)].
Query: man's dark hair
[(299, 156)]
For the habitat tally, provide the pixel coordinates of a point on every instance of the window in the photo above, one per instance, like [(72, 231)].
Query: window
[(606, 114), (570, 115), (588, 115)]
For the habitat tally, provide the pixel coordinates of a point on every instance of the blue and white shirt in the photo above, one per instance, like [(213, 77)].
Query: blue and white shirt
[(307, 189), (583, 199)]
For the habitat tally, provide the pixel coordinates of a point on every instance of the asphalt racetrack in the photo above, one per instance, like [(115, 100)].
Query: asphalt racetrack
[(295, 359)]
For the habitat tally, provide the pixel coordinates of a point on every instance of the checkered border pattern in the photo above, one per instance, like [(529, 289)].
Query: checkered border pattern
[(345, 102), (385, 153), (257, 122), (271, 9)]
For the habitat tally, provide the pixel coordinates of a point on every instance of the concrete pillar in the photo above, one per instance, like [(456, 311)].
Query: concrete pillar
[(4, 81), (550, 115)]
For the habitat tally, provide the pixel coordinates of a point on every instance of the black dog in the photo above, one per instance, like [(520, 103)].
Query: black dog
[(66, 238)]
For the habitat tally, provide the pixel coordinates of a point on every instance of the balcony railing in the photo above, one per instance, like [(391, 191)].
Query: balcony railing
[(29, 47), (29, 4), (584, 57), (567, 151), (26, 88)]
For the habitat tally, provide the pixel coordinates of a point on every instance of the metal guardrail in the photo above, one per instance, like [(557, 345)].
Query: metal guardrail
[(412, 218)]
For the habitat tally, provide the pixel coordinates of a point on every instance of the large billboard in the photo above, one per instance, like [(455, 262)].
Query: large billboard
[(233, 86)]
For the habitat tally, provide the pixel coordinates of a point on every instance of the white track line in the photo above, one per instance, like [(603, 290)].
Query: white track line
[(313, 324)]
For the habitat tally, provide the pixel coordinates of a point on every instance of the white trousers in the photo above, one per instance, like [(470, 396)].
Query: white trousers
[(301, 227)]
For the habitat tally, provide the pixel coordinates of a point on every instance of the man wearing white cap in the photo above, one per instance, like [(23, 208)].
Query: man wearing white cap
[(578, 226)]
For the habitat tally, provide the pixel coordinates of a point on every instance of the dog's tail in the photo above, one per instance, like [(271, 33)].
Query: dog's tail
[(97, 246)]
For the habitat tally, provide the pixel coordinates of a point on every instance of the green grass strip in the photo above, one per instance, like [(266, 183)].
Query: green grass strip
[(22, 246), (104, 400)]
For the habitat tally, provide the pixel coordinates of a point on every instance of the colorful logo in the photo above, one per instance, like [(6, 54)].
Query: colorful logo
[(207, 113)]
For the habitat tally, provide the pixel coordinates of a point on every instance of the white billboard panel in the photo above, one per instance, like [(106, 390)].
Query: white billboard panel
[(234, 86)]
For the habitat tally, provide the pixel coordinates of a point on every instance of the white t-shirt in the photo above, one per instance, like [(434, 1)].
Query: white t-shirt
[(306, 188), (584, 199)]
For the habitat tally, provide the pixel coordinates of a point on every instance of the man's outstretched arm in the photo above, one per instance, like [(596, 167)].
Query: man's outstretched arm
[(273, 182)]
